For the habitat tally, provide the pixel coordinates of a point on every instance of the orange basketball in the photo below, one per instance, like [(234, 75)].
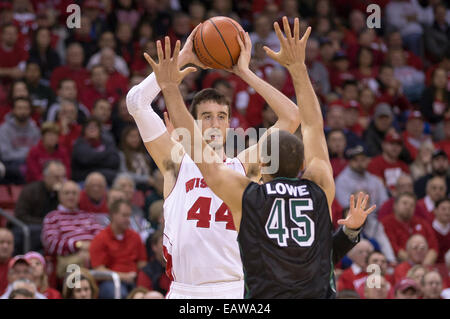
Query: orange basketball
[(215, 42)]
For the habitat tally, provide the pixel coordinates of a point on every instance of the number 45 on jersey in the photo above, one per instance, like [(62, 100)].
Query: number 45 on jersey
[(276, 227)]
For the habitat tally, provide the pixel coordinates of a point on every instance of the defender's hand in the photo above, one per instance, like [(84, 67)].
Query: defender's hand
[(166, 70), (292, 48), (357, 215), (187, 54)]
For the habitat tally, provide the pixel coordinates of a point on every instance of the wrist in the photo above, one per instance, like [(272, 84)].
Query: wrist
[(297, 68)]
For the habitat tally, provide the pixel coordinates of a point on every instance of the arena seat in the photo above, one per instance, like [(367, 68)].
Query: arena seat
[(6, 200)]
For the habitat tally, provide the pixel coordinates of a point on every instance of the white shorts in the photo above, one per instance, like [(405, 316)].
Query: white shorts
[(227, 290)]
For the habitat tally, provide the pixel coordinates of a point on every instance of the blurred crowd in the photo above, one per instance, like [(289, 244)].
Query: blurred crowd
[(74, 170)]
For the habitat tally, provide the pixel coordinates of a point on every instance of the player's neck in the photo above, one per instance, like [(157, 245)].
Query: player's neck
[(117, 231)]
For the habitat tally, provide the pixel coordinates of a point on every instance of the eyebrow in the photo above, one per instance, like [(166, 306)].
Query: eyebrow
[(209, 113)]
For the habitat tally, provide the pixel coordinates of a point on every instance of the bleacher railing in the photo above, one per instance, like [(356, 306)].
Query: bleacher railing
[(108, 275)]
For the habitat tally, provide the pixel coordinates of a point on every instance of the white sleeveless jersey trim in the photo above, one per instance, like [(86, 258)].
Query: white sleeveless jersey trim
[(200, 240)]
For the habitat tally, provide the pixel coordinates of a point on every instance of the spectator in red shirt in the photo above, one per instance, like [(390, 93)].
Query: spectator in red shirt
[(67, 121), (117, 82), (416, 252), (432, 285), (153, 276), (40, 278), (337, 142), (120, 249), (378, 258), (46, 149), (93, 197), (73, 69), (394, 41), (388, 166), (366, 73), (12, 55), (435, 191), (414, 134), (98, 88), (340, 71), (389, 90), (67, 229), (441, 227), (402, 224), (6, 251), (404, 185), (355, 276)]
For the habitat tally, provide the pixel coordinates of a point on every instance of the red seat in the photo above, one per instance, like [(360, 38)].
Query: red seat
[(3, 220)]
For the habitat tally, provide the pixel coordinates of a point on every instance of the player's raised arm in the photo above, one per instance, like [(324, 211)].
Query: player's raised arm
[(224, 182), (292, 56), (284, 108)]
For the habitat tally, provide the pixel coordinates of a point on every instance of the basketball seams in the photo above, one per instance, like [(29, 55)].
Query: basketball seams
[(223, 40), (204, 46)]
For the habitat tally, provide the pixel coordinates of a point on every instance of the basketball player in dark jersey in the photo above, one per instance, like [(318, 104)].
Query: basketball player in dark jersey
[(284, 224)]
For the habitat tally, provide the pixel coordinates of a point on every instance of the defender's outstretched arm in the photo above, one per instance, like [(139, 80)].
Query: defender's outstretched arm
[(317, 162)]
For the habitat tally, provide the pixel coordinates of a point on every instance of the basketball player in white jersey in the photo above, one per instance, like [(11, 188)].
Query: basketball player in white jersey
[(200, 240)]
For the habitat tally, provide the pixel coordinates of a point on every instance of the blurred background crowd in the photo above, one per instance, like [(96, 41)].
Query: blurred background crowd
[(73, 168)]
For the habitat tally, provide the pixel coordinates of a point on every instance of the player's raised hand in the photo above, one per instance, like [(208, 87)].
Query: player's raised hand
[(187, 54), (357, 213), (292, 48), (166, 70), (243, 62)]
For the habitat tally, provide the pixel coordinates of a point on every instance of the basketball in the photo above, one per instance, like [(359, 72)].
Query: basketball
[(215, 42)]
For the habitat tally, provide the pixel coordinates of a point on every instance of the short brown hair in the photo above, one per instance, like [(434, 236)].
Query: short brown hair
[(290, 153), (115, 206), (207, 95)]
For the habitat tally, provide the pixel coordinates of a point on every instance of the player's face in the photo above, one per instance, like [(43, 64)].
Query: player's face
[(214, 119)]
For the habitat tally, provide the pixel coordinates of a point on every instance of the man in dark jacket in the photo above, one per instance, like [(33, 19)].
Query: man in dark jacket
[(35, 201), (92, 151)]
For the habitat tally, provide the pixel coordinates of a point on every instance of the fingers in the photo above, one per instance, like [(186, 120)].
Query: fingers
[(306, 35), (239, 39), (371, 209), (187, 70), (364, 202), (166, 119), (342, 222), (269, 52), (167, 47), (176, 52), (358, 201), (160, 51), (296, 29), (278, 32), (352, 201), (150, 60), (248, 41), (287, 28)]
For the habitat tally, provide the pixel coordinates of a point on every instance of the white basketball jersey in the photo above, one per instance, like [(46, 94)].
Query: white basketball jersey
[(200, 241)]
